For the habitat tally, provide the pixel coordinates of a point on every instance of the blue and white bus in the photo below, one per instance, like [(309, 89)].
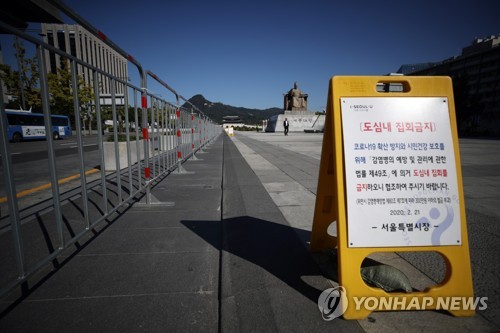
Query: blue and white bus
[(25, 125)]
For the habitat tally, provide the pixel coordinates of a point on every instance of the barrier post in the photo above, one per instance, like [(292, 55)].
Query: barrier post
[(178, 124), (193, 129), (205, 121), (201, 122), (12, 202), (145, 136)]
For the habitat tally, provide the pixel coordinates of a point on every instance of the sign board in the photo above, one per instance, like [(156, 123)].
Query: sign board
[(36, 131), (29, 131), (390, 181), (401, 181)]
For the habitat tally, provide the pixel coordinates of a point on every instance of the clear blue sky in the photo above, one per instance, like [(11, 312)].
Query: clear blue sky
[(248, 53)]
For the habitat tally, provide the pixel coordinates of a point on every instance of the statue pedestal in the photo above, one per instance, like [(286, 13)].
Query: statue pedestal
[(297, 113), (299, 121)]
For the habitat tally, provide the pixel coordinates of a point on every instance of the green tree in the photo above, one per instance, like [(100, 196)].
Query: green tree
[(22, 83), (61, 94)]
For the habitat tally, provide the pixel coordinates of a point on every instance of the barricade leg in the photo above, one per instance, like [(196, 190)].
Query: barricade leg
[(180, 169)]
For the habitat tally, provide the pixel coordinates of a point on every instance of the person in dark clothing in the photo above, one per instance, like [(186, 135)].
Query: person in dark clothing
[(286, 124)]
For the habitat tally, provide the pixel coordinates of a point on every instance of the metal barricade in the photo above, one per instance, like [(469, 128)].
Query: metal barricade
[(149, 138)]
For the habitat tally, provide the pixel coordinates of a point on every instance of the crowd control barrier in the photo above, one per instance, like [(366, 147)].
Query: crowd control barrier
[(123, 143)]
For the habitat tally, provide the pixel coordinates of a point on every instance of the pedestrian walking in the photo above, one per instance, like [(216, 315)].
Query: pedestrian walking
[(286, 124)]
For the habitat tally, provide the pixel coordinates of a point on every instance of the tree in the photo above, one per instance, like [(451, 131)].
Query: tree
[(61, 94), (22, 83)]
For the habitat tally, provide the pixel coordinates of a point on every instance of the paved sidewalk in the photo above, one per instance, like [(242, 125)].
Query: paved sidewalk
[(214, 253), (225, 249), (270, 282), (147, 271), (288, 167)]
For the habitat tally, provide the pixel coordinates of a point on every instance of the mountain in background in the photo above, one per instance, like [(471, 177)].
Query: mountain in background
[(216, 111)]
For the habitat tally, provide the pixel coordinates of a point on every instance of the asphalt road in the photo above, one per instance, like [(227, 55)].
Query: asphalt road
[(31, 167), (28, 151)]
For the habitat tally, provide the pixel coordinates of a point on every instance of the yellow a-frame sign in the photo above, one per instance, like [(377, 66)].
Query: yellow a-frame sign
[(390, 179)]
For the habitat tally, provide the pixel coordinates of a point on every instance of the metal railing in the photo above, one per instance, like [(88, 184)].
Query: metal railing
[(150, 138)]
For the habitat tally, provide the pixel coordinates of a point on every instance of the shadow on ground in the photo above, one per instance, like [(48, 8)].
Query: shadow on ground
[(277, 249)]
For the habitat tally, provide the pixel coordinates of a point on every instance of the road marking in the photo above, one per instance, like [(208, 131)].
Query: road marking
[(48, 185), (90, 145), (12, 154)]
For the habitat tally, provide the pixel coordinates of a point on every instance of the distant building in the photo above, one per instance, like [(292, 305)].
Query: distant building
[(476, 80), (410, 68), (231, 121), (80, 43)]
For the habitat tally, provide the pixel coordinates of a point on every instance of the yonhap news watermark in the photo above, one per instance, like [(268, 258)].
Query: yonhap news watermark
[(333, 302)]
